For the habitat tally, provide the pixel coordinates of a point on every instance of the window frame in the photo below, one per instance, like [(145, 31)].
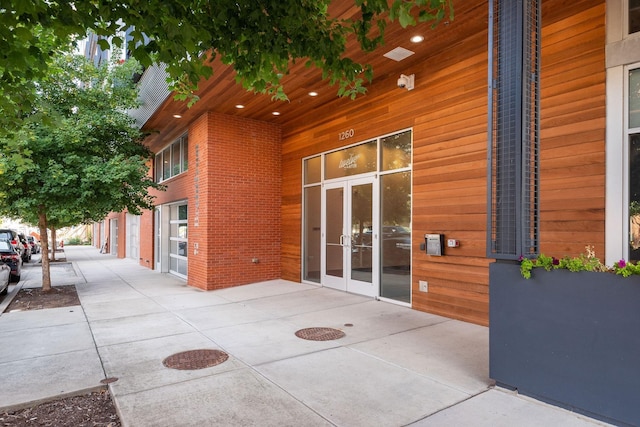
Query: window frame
[(622, 55), (166, 162), (627, 13), (627, 132), (179, 240)]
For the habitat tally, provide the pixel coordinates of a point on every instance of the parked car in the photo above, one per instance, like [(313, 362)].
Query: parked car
[(5, 277), (35, 244), (396, 247), (11, 257), (26, 255), (12, 237)]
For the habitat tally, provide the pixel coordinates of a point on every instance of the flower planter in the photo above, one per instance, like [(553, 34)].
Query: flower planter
[(570, 339)]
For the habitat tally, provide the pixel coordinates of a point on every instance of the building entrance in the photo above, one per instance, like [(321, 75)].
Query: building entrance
[(348, 239), (357, 218)]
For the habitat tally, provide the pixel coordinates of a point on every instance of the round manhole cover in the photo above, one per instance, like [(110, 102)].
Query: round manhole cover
[(195, 359), (320, 334)]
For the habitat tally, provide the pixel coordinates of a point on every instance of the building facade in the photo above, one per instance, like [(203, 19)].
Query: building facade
[(342, 193)]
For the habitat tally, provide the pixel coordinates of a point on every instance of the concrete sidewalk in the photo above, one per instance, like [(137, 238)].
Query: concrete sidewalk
[(394, 366)]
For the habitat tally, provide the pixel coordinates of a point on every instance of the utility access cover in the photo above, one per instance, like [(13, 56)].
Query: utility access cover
[(195, 359), (320, 334)]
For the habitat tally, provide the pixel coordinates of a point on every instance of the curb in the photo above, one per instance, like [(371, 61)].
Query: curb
[(10, 296)]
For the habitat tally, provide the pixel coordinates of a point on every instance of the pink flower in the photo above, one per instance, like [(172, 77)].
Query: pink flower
[(622, 263)]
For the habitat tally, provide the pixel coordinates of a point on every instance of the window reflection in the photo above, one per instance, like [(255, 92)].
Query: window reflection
[(352, 161), (396, 151), (173, 160), (312, 241), (634, 197), (634, 16), (178, 239), (395, 195), (312, 170), (634, 98)]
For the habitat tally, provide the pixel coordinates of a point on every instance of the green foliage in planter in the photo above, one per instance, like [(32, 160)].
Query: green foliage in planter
[(583, 262)]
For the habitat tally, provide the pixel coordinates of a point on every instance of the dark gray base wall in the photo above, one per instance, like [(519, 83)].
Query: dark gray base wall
[(571, 339)]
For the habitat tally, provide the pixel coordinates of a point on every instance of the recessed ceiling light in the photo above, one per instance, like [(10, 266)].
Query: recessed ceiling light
[(417, 39), (276, 113), (239, 106), (177, 116), (313, 93)]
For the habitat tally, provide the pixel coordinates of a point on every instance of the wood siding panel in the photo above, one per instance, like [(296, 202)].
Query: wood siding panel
[(448, 114), (572, 160)]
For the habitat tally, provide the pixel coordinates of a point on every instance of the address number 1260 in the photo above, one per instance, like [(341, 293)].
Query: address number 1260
[(346, 134)]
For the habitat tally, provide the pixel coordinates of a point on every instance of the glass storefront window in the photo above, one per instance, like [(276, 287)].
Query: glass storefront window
[(634, 98), (357, 229), (395, 198), (178, 266), (166, 164), (178, 239), (633, 132), (179, 248), (185, 153), (158, 168), (634, 16), (179, 230), (634, 197), (182, 212), (313, 170), (173, 160), (352, 161), (311, 238), (396, 151)]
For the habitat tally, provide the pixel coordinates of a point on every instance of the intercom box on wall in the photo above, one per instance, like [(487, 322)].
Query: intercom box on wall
[(435, 244)]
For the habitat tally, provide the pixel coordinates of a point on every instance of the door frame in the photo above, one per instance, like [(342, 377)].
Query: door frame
[(346, 282), (113, 231)]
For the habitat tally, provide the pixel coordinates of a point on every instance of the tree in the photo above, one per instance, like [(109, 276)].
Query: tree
[(259, 39), (78, 155)]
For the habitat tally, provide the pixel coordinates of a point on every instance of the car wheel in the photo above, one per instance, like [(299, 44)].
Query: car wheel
[(15, 278), (5, 290)]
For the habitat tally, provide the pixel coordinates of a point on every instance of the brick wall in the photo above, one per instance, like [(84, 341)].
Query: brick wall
[(147, 258), (122, 230), (234, 201)]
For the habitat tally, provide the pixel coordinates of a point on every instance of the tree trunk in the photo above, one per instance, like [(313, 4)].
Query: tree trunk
[(44, 250), (53, 244)]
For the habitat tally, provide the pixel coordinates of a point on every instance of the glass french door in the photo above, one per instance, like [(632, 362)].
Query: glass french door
[(349, 236)]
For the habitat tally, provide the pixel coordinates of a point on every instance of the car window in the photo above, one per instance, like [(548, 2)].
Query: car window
[(4, 245)]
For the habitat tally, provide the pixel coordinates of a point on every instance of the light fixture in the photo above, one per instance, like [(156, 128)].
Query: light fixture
[(177, 116), (276, 113), (313, 93), (417, 39), (239, 106)]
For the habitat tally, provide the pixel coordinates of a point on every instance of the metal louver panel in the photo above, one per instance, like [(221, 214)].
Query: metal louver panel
[(514, 99), (153, 92)]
